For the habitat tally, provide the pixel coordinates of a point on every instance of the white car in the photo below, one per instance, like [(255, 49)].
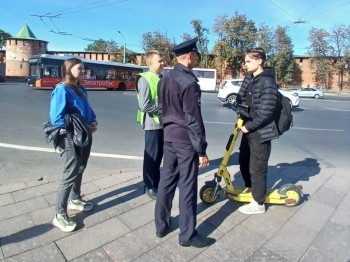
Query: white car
[(293, 98), (229, 89), (309, 92)]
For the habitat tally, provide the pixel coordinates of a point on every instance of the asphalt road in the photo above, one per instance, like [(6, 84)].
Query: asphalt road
[(320, 133)]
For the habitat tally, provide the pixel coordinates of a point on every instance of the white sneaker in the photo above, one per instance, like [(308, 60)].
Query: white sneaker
[(80, 205), (252, 208), (64, 222)]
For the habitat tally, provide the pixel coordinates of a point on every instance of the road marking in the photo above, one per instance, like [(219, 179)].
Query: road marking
[(221, 123), (50, 150), (318, 129), (294, 127), (337, 109)]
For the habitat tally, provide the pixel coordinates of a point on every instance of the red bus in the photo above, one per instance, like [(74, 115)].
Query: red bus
[(45, 71)]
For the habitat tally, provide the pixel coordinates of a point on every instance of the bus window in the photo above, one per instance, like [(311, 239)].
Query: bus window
[(52, 71), (98, 73), (209, 74), (110, 74), (34, 70)]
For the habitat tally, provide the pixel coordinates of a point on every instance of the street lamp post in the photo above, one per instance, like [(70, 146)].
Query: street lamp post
[(124, 45)]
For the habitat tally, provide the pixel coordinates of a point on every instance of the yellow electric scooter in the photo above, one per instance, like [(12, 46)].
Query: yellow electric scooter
[(289, 194)]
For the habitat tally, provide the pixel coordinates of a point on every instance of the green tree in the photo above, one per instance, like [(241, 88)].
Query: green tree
[(340, 42), (319, 51), (264, 39), (236, 34), (99, 45), (202, 34), (3, 36), (112, 48), (282, 56), (161, 42)]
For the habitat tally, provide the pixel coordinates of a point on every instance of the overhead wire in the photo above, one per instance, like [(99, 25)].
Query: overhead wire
[(81, 8), (284, 11), (76, 9), (331, 9)]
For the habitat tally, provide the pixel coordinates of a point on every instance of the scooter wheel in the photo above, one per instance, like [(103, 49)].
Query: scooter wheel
[(293, 197), (206, 194)]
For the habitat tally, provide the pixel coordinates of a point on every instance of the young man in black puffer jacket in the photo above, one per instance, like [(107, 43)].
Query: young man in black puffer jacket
[(259, 92)]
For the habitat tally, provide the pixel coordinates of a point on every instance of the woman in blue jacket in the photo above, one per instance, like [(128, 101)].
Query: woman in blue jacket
[(69, 97)]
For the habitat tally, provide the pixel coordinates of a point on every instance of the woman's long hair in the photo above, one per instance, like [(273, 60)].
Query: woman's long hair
[(68, 79)]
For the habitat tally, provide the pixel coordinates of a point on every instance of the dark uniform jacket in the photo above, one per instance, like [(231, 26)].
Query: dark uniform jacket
[(180, 108), (264, 103)]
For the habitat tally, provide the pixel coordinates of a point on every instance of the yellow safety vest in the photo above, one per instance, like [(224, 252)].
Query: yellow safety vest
[(152, 80)]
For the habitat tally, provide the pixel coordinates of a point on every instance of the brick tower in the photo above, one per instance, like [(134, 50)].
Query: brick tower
[(19, 49)]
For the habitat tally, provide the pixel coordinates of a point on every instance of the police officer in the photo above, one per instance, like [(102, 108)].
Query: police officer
[(147, 116), (184, 146)]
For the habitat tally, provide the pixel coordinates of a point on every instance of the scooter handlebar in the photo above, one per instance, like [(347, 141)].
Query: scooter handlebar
[(241, 110)]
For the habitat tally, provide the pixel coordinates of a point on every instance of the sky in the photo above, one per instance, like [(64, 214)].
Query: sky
[(71, 25)]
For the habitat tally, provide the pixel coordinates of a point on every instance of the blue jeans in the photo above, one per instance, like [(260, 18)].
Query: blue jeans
[(74, 161)]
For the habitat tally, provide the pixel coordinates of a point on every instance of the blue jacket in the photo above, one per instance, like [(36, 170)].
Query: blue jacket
[(64, 100)]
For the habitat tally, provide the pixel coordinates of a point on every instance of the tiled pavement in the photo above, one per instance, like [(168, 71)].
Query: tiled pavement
[(121, 227)]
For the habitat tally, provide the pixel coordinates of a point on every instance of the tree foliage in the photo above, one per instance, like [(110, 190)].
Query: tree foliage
[(282, 56), (102, 45), (340, 44), (3, 36), (112, 48), (159, 41), (236, 34), (202, 34), (319, 52), (265, 39)]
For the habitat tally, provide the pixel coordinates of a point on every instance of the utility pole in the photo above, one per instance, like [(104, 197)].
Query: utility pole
[(124, 46)]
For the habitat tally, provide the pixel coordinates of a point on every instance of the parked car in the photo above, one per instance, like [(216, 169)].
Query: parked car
[(293, 98), (309, 92), (228, 90), (2, 78)]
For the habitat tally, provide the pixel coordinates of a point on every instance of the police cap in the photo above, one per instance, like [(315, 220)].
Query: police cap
[(186, 47)]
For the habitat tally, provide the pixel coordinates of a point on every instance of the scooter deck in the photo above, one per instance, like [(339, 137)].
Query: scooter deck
[(244, 194)]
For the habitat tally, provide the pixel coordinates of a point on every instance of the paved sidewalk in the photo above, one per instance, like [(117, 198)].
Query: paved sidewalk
[(121, 227)]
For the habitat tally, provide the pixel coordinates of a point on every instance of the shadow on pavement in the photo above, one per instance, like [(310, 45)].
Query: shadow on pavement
[(26, 234)]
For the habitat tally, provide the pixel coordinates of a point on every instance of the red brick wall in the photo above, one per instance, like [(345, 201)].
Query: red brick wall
[(18, 52)]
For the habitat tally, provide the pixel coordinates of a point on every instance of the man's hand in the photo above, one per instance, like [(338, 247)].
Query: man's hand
[(244, 129), (203, 162), (93, 127)]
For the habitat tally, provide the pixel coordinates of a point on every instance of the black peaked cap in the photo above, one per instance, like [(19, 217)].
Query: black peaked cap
[(186, 47)]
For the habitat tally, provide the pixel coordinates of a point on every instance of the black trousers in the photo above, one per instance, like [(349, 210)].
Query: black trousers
[(253, 162), (153, 155), (180, 167)]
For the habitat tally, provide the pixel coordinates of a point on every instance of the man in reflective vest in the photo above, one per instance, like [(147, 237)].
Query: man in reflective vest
[(147, 116)]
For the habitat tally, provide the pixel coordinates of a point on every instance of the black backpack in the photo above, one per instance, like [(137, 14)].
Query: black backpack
[(284, 116)]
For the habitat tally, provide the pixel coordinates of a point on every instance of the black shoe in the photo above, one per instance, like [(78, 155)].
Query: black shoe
[(198, 241), (167, 230), (162, 234), (151, 192)]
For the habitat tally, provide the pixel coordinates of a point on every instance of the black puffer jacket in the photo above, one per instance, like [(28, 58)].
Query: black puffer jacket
[(264, 100)]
